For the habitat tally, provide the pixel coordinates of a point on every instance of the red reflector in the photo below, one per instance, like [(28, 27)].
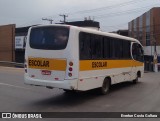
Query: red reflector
[(70, 69), (45, 72), (32, 76), (56, 78)]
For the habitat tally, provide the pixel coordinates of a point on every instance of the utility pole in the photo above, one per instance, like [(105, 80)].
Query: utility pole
[(64, 17), (47, 19)]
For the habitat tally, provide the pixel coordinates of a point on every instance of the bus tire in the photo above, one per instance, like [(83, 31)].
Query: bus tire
[(135, 81), (105, 86)]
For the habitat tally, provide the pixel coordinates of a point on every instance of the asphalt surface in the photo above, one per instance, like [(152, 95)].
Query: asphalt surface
[(15, 96)]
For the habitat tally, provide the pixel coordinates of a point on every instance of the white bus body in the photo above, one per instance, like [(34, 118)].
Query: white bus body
[(66, 66)]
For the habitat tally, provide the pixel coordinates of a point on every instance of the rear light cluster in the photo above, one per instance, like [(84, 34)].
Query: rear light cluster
[(70, 69), (25, 66)]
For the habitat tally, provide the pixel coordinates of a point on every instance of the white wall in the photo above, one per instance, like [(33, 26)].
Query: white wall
[(149, 50)]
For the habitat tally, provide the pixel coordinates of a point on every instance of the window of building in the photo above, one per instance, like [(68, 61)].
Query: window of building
[(148, 43), (130, 29), (135, 28), (140, 28)]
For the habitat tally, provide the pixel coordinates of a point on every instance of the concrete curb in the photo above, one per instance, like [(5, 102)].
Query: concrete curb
[(11, 64)]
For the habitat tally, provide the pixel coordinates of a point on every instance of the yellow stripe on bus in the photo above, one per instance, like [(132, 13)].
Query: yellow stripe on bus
[(86, 65), (46, 63)]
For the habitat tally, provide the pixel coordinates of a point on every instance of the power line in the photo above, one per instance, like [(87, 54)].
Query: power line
[(120, 13), (106, 7)]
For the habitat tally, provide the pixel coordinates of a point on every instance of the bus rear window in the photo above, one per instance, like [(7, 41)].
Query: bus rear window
[(49, 38)]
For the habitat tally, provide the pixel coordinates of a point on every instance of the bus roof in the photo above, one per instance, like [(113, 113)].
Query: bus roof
[(89, 30), (107, 34)]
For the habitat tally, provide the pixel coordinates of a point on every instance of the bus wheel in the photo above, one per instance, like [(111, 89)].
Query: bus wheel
[(105, 86), (135, 80)]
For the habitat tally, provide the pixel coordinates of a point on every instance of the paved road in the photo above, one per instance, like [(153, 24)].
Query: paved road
[(17, 97)]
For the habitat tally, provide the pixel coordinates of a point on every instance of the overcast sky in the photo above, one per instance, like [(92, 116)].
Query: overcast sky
[(112, 14)]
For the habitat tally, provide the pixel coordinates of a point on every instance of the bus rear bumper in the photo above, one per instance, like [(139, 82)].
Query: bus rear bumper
[(64, 84)]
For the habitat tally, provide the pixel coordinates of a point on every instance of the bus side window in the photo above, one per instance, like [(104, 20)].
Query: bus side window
[(134, 51), (119, 48), (140, 53), (126, 49), (84, 49), (112, 48), (96, 47), (106, 46), (137, 52)]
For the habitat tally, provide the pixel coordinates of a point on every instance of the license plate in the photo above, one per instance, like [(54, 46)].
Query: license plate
[(45, 72)]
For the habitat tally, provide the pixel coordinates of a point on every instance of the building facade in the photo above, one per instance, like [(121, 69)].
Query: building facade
[(146, 28), (20, 38), (7, 42), (12, 39)]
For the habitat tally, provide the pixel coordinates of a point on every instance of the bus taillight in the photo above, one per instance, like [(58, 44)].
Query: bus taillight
[(70, 69), (70, 74), (71, 63)]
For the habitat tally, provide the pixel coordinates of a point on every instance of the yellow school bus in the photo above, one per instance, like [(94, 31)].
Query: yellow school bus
[(76, 58)]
